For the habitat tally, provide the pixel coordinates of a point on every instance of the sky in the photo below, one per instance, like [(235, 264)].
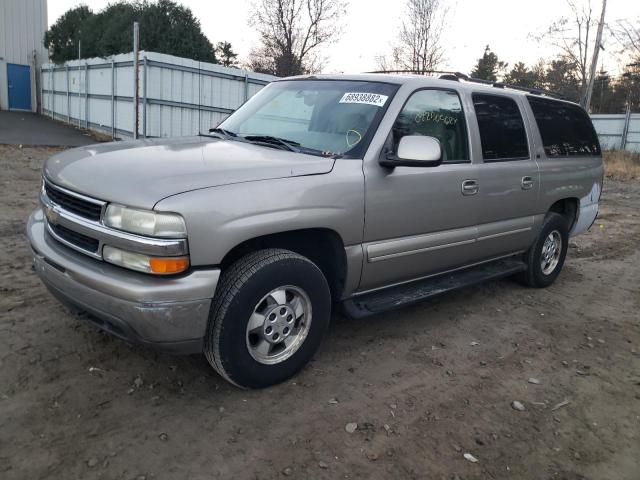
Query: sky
[(371, 26)]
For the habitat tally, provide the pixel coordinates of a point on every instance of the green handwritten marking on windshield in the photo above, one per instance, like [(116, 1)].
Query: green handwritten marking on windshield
[(435, 117), (350, 142)]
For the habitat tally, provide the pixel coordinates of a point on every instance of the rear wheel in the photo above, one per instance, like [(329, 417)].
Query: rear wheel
[(268, 318), (546, 256)]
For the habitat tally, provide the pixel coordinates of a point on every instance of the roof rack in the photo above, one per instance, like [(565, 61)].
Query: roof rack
[(442, 73), (457, 76)]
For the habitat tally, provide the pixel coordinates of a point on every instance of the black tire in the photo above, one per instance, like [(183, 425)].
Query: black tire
[(241, 288), (535, 276)]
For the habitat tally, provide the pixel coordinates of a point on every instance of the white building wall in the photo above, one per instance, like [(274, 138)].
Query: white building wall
[(23, 24)]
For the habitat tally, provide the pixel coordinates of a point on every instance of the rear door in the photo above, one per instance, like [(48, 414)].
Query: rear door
[(571, 160), (508, 176)]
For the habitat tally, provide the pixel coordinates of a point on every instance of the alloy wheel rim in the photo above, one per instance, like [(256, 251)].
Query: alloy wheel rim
[(279, 325), (551, 249)]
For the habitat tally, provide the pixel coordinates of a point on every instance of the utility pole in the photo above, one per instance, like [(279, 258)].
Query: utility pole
[(79, 57), (594, 61), (136, 78)]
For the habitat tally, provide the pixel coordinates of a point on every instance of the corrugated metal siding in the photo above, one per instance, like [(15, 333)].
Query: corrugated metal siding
[(178, 96), (22, 27), (611, 131)]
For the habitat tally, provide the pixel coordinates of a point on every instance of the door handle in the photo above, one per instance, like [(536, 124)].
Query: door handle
[(470, 187), (526, 183)]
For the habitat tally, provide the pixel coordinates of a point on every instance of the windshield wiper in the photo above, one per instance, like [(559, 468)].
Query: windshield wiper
[(270, 140), (288, 144), (225, 133)]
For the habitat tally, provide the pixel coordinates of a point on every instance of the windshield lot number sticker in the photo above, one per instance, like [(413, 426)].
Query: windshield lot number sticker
[(365, 98)]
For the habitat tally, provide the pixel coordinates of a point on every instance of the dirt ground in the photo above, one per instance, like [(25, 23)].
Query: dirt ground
[(425, 385)]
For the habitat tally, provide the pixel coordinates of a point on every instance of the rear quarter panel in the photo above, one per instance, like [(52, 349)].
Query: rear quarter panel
[(579, 178)]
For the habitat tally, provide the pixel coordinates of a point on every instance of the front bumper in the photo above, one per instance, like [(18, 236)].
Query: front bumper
[(170, 313)]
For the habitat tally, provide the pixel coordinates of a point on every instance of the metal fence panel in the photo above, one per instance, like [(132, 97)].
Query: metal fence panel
[(178, 96), (633, 133), (618, 131)]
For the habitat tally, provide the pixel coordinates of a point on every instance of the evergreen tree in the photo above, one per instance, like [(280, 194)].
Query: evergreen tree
[(562, 78), (63, 36), (488, 66), (226, 55), (522, 76), (165, 27)]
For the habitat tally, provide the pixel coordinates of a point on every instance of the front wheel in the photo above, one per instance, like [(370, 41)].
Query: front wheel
[(546, 256), (267, 318)]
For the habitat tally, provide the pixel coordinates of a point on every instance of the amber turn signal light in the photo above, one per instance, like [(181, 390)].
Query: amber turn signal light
[(168, 265)]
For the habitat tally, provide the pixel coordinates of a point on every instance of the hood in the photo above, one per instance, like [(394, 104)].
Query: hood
[(140, 173)]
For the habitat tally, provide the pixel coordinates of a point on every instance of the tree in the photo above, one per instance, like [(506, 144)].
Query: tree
[(488, 66), (419, 45), (630, 84), (226, 55), (609, 94), (165, 27), (168, 27), (562, 78), (627, 33), (522, 76), (572, 36), (63, 36), (292, 33)]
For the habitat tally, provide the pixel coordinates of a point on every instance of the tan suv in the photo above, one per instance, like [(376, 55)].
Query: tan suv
[(369, 191)]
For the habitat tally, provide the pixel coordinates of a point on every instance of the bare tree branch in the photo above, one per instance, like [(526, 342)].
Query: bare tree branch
[(292, 32), (572, 36), (627, 34), (419, 45)]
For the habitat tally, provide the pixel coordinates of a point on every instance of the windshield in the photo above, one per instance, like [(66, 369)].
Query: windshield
[(333, 117)]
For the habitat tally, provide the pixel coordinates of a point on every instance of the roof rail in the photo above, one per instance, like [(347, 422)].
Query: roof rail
[(442, 73), (457, 76), (535, 91)]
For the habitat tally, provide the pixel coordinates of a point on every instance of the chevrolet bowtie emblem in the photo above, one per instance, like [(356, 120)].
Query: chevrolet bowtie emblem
[(52, 215)]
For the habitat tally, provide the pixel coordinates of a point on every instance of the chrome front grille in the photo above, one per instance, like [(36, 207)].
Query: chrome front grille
[(84, 242), (61, 207), (75, 220), (73, 202)]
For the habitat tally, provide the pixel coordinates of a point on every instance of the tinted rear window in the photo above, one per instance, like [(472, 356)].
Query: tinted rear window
[(502, 131), (566, 129)]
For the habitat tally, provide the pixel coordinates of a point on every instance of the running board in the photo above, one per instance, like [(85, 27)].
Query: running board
[(409, 293)]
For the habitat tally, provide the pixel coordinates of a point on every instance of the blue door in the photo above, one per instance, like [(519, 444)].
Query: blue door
[(19, 82)]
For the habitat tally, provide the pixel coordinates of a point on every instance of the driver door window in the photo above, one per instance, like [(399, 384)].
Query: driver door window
[(438, 114)]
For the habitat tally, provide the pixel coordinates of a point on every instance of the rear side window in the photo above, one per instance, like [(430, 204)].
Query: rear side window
[(566, 129), (502, 131), (439, 114)]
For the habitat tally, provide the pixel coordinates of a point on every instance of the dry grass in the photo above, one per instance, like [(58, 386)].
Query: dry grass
[(621, 165)]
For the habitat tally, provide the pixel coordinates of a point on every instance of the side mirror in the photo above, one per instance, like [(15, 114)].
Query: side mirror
[(415, 151)]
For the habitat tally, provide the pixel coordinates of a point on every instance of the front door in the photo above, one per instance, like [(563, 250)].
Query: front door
[(420, 220), (19, 84)]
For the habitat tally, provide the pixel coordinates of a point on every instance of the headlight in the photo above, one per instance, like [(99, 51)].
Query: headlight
[(145, 222), (145, 263)]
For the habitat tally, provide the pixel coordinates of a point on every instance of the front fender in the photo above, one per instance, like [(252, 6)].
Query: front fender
[(219, 218)]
